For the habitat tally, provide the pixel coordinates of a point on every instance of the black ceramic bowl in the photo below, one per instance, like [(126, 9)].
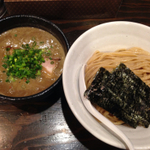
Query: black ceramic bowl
[(38, 22)]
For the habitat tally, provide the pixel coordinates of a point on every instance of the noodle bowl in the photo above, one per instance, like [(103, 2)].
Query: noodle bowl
[(134, 58)]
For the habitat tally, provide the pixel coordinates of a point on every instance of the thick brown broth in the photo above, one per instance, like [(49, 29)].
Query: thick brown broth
[(25, 35)]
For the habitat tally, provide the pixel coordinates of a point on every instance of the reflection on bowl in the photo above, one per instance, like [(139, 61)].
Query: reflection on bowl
[(33, 51), (2, 8)]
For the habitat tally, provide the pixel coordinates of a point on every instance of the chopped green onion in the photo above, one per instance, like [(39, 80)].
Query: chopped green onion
[(52, 62), (33, 38), (25, 62), (7, 80), (34, 44), (27, 81), (41, 42), (7, 48)]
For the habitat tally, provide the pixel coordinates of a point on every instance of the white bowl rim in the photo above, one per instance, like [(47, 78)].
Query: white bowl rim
[(67, 95)]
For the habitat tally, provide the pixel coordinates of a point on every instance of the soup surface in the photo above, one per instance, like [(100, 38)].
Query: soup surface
[(51, 68)]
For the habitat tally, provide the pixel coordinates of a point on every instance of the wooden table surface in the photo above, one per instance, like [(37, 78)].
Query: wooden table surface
[(50, 124)]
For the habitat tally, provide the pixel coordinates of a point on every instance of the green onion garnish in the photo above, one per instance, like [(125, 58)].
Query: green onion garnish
[(25, 62)]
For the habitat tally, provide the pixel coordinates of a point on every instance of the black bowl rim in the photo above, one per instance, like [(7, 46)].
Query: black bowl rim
[(60, 77)]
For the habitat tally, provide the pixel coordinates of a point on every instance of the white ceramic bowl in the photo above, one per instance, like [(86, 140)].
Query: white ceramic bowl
[(105, 37)]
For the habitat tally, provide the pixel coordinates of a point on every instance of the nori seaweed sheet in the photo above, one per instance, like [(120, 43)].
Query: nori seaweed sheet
[(123, 94), (95, 89), (132, 90)]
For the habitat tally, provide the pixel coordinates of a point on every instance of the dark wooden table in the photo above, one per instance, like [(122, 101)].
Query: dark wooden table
[(50, 124)]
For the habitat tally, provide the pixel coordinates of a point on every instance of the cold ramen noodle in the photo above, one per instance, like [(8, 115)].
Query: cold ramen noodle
[(118, 85), (31, 60)]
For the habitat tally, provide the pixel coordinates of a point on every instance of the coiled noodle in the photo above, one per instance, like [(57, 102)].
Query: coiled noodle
[(137, 59)]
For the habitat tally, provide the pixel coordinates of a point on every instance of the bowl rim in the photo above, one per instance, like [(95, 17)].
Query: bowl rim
[(60, 77), (67, 92)]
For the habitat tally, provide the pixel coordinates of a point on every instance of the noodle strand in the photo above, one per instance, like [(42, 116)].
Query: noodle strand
[(134, 58)]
